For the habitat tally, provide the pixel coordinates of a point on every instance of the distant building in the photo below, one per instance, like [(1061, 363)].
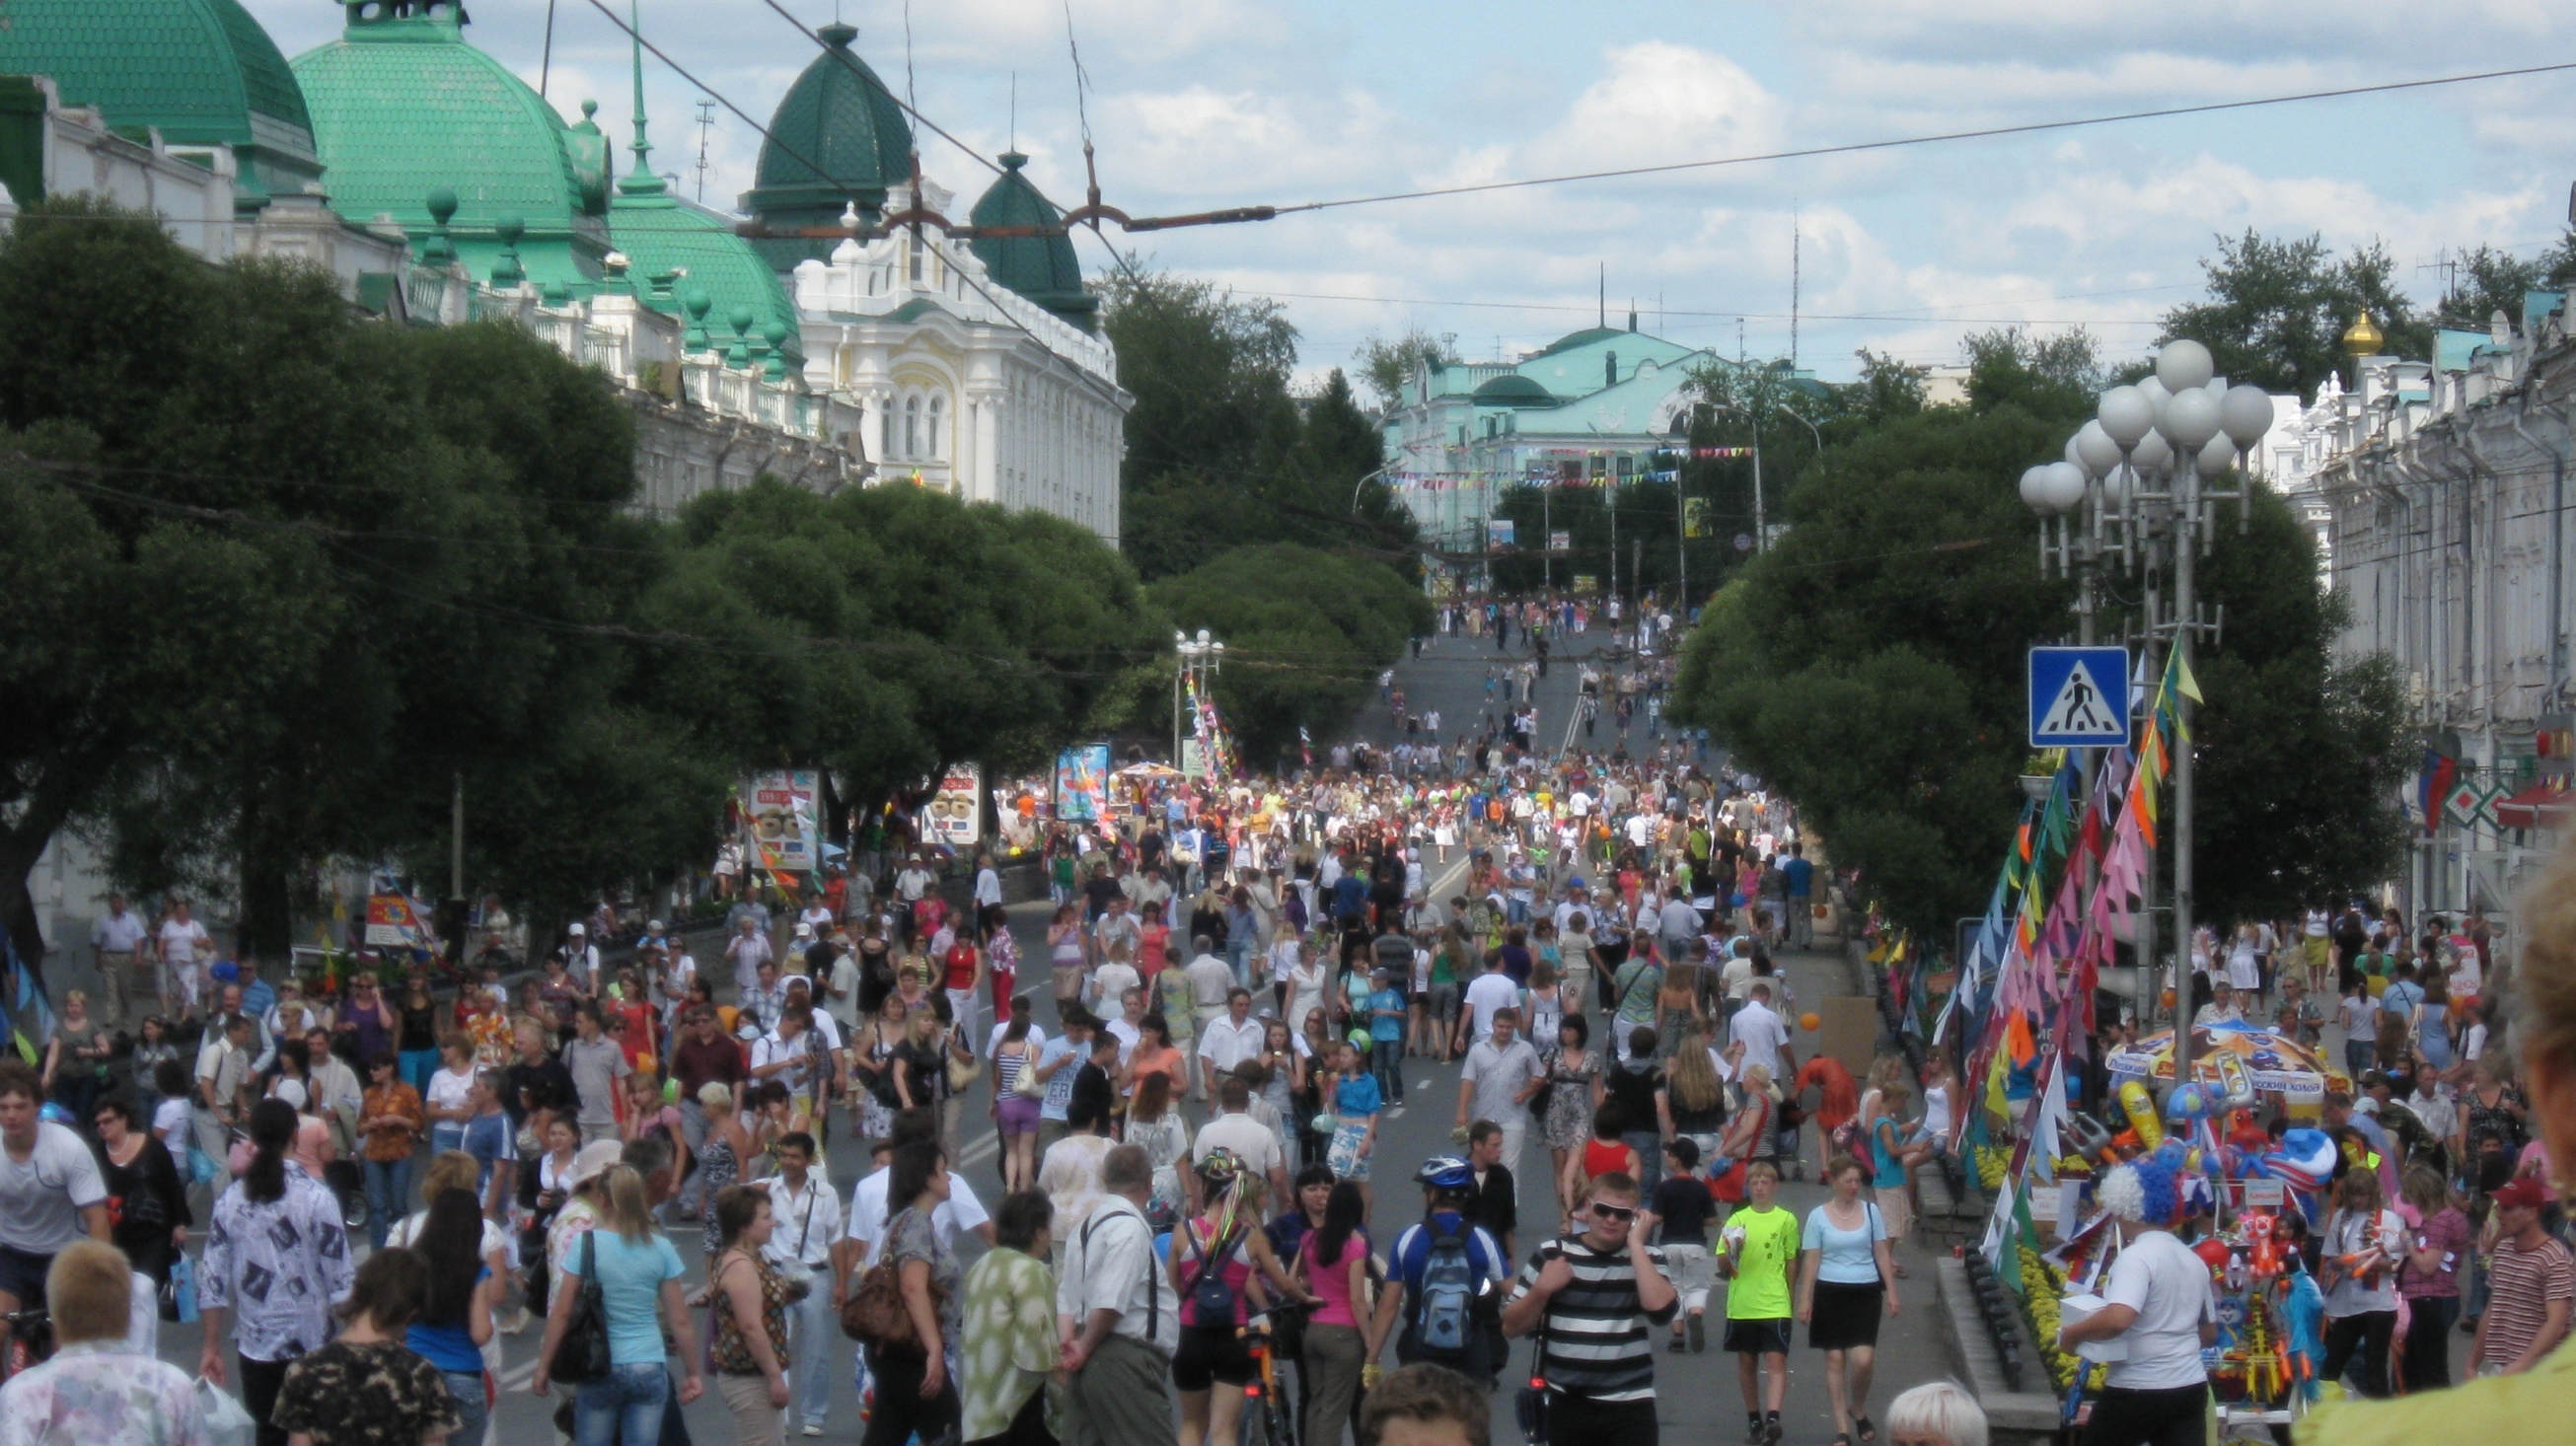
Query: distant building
[(1599, 407), (2438, 488)]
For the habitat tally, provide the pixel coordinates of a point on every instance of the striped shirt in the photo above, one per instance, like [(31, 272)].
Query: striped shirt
[(2520, 1286), (1597, 1339)]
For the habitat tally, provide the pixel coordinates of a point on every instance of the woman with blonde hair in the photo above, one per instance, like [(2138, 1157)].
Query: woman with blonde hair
[(722, 1157), (639, 1280), (1696, 1095), (1894, 1151)]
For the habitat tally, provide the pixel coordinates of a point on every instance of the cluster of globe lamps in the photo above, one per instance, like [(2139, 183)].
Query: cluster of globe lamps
[(2180, 419)]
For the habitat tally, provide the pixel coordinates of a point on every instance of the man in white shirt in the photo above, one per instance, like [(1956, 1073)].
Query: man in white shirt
[(1228, 1040), (1110, 983), (748, 949), (805, 1220), (2157, 1302), (1118, 1307), (1491, 992), (865, 1223), (1251, 1141), (988, 884), (790, 1053), (116, 942), (1117, 927), (763, 1000), (185, 946), (1759, 1030), (1502, 1074)]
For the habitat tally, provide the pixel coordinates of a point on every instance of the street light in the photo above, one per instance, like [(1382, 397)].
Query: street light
[(1197, 658), (2137, 471)]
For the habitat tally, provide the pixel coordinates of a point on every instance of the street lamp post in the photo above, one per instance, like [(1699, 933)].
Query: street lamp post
[(1196, 659), (2132, 483)]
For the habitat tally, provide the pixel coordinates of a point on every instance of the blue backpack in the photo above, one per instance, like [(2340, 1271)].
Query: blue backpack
[(1447, 1293)]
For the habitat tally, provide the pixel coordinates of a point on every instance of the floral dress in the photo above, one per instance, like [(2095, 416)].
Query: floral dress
[(730, 1352), (1568, 1121), (717, 1168)]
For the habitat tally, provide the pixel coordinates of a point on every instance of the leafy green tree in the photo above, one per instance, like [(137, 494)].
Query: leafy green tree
[(2277, 309), (1305, 635), (1387, 362), (1870, 665), (1221, 451)]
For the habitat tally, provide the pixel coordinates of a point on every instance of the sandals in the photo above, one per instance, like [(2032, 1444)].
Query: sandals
[(1842, 1438), (1867, 1428)]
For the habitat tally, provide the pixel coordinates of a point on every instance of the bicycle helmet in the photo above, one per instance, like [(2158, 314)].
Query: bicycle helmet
[(1220, 1168), (1446, 1172), (57, 1112)]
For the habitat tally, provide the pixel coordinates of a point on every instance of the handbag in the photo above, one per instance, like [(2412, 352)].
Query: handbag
[(874, 1314), (582, 1356), (962, 1073), (1026, 1083), (1529, 1403)]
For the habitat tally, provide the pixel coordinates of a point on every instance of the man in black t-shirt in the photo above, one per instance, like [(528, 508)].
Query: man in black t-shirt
[(1097, 891)]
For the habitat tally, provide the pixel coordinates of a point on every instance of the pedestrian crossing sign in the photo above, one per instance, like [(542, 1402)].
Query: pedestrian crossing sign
[(2079, 697)]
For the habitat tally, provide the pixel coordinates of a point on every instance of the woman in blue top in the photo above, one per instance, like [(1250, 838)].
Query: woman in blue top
[(639, 1279), (456, 1319), (1846, 1266), (1356, 1102)]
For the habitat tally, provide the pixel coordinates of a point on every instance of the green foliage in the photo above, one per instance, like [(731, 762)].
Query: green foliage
[(1305, 634), (2489, 280), (2049, 376), (1870, 665), (1221, 452), (2277, 309), (1387, 362)]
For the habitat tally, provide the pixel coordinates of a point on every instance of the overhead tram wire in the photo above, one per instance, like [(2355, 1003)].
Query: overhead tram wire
[(1982, 133)]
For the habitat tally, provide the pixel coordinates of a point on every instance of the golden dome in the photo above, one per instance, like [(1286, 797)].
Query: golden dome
[(2365, 338)]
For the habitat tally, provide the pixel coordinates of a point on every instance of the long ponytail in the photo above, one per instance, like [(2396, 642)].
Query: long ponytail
[(272, 1133)]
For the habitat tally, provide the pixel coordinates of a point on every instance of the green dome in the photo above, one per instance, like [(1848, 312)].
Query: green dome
[(1511, 389), (402, 105), (661, 234), (840, 117), (1041, 268), (201, 71)]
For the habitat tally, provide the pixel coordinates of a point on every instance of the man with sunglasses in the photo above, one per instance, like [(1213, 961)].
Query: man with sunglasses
[(1595, 1300)]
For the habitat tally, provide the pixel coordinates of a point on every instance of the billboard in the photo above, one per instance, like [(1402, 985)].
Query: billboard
[(1498, 532), (1082, 783), (955, 814), (779, 814)]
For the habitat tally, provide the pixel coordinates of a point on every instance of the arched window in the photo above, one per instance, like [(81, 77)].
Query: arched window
[(912, 426), (934, 443)]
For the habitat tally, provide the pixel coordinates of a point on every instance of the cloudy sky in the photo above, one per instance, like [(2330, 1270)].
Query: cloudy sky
[(1197, 104)]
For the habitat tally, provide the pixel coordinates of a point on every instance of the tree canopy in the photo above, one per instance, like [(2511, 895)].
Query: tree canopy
[(1871, 664), (2277, 309)]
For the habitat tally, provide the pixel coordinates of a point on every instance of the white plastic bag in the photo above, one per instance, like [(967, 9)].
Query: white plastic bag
[(228, 1421)]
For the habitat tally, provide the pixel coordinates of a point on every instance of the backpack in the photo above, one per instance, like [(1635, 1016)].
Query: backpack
[(1447, 1292), (1212, 1297)]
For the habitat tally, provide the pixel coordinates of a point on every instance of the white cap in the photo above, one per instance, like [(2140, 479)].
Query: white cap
[(578, 929)]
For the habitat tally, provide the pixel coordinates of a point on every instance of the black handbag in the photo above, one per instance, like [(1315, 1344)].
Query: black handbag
[(582, 1355)]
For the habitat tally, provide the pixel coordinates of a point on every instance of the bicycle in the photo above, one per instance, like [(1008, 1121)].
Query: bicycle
[(1266, 1408), (31, 1339)]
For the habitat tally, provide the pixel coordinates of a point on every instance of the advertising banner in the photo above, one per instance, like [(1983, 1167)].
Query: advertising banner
[(780, 816), (1498, 532), (1082, 783), (395, 922), (955, 815)]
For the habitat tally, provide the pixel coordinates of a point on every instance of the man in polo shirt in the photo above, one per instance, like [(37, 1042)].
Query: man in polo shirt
[(1598, 1296), (116, 941), (806, 1224), (2530, 1280), (704, 1054)]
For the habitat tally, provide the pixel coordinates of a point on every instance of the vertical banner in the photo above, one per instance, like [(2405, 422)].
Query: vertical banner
[(779, 812), (1498, 532), (1082, 783), (955, 814)]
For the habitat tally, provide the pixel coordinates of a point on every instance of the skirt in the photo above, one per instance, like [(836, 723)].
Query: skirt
[(1845, 1316), (1344, 1157)]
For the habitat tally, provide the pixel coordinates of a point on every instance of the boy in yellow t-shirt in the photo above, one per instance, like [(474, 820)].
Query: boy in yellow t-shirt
[(1761, 1249)]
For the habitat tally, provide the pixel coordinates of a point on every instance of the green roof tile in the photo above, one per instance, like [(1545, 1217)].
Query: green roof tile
[(401, 105), (838, 116), (1041, 268), (203, 72)]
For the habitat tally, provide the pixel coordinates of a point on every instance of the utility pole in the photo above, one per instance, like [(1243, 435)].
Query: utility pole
[(456, 839)]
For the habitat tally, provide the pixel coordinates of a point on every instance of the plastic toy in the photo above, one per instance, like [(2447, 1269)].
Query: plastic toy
[(2140, 1107)]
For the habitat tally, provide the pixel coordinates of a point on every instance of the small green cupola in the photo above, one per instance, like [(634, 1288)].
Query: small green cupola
[(1041, 268), (838, 139)]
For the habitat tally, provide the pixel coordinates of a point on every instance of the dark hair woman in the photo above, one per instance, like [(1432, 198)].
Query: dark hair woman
[(280, 1227), (456, 1316)]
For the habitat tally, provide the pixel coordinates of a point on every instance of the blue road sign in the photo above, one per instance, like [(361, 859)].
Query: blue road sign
[(2079, 697)]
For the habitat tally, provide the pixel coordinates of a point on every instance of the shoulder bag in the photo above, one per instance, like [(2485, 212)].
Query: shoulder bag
[(962, 1073), (582, 1355)]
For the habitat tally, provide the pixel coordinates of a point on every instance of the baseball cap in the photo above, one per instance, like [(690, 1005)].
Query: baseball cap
[(804, 930), (577, 930), (2525, 1190)]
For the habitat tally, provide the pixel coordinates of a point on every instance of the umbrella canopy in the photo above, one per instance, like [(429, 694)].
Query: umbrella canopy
[(2276, 1063), (1149, 770)]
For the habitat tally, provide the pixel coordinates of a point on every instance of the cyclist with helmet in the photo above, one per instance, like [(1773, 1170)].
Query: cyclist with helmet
[(1450, 1273), (1224, 1270)]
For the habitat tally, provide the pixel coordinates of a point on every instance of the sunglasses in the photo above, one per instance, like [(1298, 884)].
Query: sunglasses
[(1618, 1214)]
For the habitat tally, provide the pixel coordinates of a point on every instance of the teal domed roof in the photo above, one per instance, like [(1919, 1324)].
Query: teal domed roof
[(203, 72), (662, 234), (1511, 389), (840, 117), (403, 106), (1041, 268)]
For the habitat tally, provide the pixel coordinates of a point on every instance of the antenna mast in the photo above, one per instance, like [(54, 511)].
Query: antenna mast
[(1793, 290), (706, 124)]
